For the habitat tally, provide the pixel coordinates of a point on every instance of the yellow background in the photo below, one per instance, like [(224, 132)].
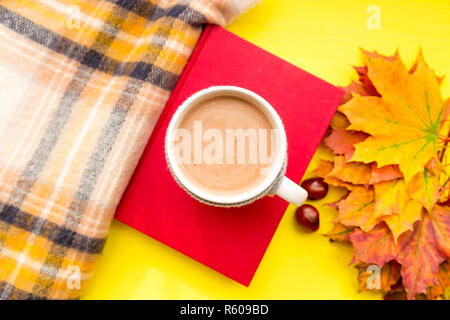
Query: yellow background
[(323, 38)]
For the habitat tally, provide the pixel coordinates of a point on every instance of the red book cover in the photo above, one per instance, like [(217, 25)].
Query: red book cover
[(230, 240)]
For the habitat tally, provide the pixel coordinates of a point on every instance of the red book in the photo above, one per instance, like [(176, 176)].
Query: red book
[(231, 241)]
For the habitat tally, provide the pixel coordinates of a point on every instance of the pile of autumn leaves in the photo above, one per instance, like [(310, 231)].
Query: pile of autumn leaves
[(388, 140)]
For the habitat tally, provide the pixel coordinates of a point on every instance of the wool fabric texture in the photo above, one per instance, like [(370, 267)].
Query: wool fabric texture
[(82, 84)]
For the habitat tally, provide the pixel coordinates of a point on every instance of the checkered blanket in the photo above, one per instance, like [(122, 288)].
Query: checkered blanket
[(82, 83)]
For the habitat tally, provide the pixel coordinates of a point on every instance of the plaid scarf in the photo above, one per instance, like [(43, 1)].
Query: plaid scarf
[(82, 83)]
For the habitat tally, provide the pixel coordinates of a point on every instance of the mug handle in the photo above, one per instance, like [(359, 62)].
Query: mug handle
[(291, 192)]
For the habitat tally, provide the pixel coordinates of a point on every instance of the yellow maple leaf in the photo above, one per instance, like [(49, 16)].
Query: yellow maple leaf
[(405, 123), (401, 205), (390, 197), (404, 221), (397, 209), (425, 188)]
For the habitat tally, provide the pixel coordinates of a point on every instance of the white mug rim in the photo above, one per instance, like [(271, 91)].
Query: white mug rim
[(224, 199)]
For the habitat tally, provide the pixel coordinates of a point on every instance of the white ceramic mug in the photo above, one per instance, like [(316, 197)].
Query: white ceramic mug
[(274, 182)]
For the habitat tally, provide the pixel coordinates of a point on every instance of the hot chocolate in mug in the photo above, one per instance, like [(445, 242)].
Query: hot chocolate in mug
[(226, 146)]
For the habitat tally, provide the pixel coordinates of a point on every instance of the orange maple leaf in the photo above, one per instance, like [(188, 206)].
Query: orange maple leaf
[(356, 173), (385, 173), (339, 121), (341, 141), (323, 171), (443, 280), (357, 209), (354, 87), (376, 246), (388, 276), (421, 251)]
